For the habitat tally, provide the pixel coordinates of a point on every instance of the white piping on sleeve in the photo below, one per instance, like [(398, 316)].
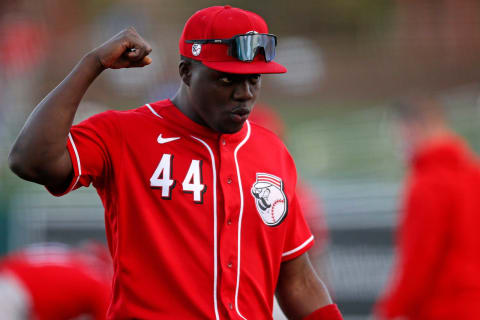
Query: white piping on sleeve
[(153, 111), (300, 247), (78, 160), (240, 216), (215, 276)]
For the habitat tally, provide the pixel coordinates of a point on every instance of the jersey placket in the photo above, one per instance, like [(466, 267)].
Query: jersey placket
[(228, 225)]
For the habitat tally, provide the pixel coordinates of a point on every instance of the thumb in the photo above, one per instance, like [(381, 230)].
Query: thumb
[(132, 53), (141, 63), (147, 60)]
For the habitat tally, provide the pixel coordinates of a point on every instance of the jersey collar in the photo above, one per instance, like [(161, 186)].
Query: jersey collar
[(167, 110)]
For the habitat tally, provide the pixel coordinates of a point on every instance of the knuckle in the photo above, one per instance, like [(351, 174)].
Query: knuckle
[(129, 32)]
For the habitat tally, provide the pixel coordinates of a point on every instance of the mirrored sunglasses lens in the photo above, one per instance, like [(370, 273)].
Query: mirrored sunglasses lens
[(245, 50), (269, 48), (247, 46)]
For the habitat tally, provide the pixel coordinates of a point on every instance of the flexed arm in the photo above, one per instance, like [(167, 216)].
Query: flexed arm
[(39, 153)]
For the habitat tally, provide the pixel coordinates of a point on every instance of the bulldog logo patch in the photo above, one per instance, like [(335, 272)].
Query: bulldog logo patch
[(270, 199)]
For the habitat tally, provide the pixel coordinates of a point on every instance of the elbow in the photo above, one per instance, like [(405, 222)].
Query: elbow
[(19, 165), (15, 162), (37, 168)]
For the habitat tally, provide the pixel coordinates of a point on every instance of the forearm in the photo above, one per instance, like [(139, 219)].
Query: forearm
[(41, 145), (305, 299), (300, 291)]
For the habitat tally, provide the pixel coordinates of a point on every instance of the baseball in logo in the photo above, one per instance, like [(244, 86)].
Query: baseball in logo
[(196, 49), (270, 199)]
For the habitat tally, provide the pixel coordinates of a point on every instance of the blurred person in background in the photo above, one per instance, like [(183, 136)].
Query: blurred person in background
[(436, 275), (52, 281), (265, 116)]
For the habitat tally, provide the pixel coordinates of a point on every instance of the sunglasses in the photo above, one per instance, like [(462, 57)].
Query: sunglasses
[(245, 47)]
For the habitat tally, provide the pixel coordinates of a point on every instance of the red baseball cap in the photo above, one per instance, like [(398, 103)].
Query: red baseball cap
[(224, 22)]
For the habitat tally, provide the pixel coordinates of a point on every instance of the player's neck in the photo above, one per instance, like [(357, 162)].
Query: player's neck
[(181, 102)]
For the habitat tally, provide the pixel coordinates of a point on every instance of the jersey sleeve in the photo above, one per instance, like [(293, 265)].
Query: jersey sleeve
[(90, 145), (299, 237)]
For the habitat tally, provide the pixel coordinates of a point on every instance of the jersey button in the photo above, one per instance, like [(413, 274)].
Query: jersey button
[(223, 142), (229, 180), (229, 265), (229, 221), (230, 305)]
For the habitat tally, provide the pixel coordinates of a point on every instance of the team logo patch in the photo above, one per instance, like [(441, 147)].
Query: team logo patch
[(270, 199), (196, 49)]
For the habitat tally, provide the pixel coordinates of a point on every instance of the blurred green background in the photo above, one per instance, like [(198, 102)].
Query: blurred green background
[(347, 60)]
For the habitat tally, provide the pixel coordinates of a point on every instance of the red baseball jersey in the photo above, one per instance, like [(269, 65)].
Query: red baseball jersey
[(197, 222), (61, 283)]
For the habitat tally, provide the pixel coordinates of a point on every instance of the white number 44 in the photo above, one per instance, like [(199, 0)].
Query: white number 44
[(162, 178)]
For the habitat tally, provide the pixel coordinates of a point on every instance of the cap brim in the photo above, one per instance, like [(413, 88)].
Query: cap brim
[(240, 67)]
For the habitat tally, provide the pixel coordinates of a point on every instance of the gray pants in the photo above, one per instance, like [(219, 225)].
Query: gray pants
[(277, 312), (15, 302)]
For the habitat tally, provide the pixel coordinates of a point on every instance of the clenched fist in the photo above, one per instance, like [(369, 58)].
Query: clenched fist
[(126, 49)]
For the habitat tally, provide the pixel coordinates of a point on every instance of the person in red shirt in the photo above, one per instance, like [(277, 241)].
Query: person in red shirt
[(438, 258), (201, 212), (56, 282)]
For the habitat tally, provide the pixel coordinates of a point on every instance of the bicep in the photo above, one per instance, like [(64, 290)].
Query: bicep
[(84, 160), (299, 290)]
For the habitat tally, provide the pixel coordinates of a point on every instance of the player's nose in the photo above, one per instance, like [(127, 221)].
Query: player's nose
[(244, 90)]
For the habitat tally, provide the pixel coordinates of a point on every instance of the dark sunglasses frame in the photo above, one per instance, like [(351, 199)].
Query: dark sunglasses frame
[(232, 42)]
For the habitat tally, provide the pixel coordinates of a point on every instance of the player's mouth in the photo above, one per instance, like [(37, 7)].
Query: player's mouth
[(240, 114)]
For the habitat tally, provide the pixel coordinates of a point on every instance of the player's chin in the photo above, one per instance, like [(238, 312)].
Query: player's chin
[(231, 126)]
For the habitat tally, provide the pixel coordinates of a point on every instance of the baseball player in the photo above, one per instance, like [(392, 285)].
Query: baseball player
[(190, 235), (55, 282)]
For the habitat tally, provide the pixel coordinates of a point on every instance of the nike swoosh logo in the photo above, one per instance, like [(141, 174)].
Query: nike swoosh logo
[(162, 140)]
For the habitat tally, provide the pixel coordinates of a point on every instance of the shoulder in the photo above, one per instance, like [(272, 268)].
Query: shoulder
[(150, 112), (266, 144), (443, 177), (264, 136), (266, 141), (131, 116), (432, 185)]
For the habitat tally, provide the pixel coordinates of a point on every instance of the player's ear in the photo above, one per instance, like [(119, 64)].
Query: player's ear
[(185, 70)]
